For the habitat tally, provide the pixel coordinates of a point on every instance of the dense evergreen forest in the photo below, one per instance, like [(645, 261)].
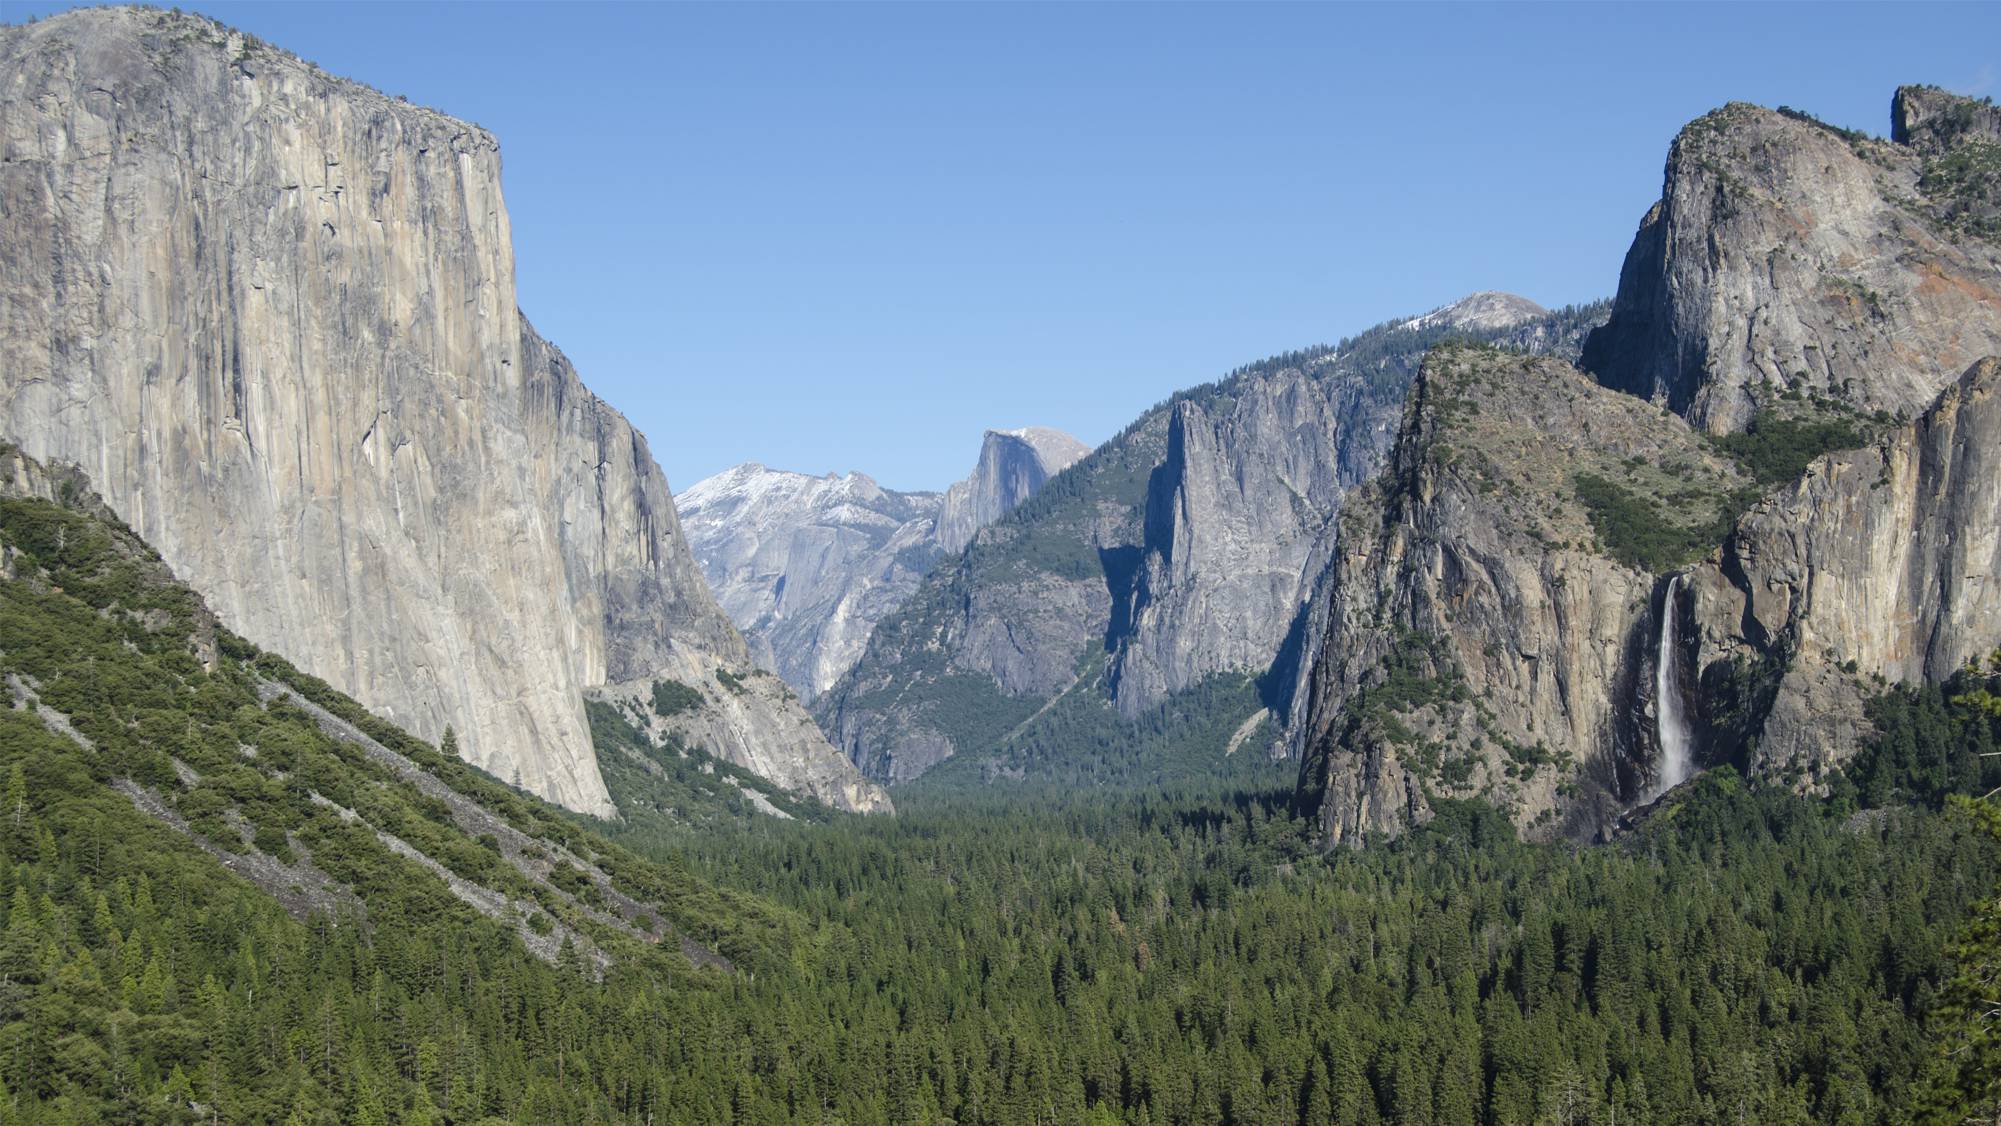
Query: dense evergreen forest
[(1171, 953)]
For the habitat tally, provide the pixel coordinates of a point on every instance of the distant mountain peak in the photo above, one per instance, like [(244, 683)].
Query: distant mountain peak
[(806, 565), (1486, 310)]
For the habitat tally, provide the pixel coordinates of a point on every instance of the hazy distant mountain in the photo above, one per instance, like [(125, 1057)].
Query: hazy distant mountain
[(1487, 309), (807, 565)]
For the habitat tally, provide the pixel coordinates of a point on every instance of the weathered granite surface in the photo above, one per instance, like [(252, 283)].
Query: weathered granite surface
[(1473, 635), (1478, 633), (271, 313), (1788, 256), (1182, 549), (1880, 562)]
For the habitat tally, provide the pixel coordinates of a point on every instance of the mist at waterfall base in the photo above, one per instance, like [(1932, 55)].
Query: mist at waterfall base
[(1670, 723)]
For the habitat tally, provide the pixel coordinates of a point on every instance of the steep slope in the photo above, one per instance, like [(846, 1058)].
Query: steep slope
[(272, 314), (1470, 640), (1171, 562), (1013, 465), (1789, 257), (806, 566), (240, 843), (1484, 626), (1878, 564), (1792, 276)]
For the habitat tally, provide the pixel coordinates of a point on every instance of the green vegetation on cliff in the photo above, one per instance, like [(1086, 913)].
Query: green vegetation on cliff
[(219, 904), (1180, 956), (1080, 542), (1931, 741)]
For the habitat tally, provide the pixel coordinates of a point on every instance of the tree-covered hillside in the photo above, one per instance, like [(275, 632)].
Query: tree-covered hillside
[(229, 895)]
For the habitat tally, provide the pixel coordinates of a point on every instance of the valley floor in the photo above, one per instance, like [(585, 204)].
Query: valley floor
[(1746, 956)]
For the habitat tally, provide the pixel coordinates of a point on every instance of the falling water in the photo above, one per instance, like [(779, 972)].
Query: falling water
[(1670, 725)]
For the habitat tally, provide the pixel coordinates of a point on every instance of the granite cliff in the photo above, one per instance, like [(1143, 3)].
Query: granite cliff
[(1484, 626), (1787, 257), (1171, 564), (1779, 495), (271, 313), (806, 566), (1013, 465), (1880, 564)]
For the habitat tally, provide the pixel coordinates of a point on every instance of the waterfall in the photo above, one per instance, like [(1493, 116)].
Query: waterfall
[(1670, 725)]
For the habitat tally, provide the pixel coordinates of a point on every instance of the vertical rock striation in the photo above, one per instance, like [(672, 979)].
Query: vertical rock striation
[(1475, 636), (272, 315), (1497, 613), (1879, 562), (1179, 552), (1237, 519)]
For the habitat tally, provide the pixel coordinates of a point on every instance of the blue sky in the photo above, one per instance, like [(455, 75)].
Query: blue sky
[(840, 237)]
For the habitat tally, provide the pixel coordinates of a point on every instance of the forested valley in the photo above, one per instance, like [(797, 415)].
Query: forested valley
[(1190, 956), (1506, 717)]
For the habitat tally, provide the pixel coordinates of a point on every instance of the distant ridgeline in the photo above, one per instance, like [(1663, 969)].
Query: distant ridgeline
[(1709, 573), (1142, 614), (228, 893), (806, 566), (1441, 561)]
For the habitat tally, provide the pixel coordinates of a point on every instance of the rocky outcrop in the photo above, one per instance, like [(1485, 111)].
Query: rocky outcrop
[(1179, 552), (1934, 122), (749, 717), (807, 566), (1545, 557), (1479, 632), (1792, 262), (271, 313), (1486, 311), (1883, 562), (1237, 521), (1013, 465), (1786, 257)]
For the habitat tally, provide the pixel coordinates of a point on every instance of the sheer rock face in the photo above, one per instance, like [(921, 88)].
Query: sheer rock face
[(1935, 122), (1239, 514), (1476, 599), (1013, 465), (1237, 521), (1182, 549), (271, 314), (1887, 557), (807, 566), (1471, 636), (1788, 256)]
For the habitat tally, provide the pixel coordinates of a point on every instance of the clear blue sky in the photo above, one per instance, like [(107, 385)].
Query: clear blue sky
[(840, 237)]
